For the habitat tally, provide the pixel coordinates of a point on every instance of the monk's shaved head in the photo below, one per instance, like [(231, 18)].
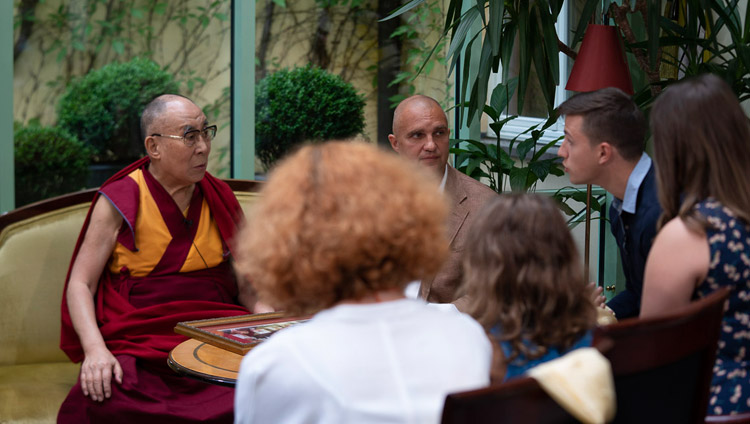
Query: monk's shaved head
[(155, 110)]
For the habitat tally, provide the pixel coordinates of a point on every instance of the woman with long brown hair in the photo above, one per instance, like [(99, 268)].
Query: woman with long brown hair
[(525, 283), (702, 154)]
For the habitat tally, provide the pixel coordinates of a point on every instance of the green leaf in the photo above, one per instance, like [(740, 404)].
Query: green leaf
[(61, 54), (452, 16), (588, 9), (506, 162), (428, 67), (136, 13), (549, 36), (524, 65), (541, 168), (465, 81), (457, 150), (492, 152), (540, 64), (560, 199), (494, 30), (118, 47), (523, 148), (580, 196), (556, 169), (477, 144), (473, 165), (521, 179), (457, 41), (546, 147), (509, 40), (400, 11), (161, 7), (491, 112), (480, 7), (501, 95), (401, 30), (437, 45), (556, 7), (482, 81), (497, 126)]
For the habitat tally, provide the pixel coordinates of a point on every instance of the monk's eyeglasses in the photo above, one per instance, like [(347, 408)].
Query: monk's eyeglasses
[(191, 137)]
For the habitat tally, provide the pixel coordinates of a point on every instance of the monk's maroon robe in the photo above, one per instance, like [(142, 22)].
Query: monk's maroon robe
[(137, 315)]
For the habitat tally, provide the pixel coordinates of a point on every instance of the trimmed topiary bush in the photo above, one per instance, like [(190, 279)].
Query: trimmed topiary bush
[(303, 104), (103, 107), (49, 161)]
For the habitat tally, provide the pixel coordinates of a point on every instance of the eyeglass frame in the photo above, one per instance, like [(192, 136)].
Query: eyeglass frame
[(204, 133)]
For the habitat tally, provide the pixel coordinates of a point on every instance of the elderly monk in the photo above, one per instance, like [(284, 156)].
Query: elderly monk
[(421, 134), (153, 251)]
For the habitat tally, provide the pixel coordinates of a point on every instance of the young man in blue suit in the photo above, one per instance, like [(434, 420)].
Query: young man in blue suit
[(603, 145)]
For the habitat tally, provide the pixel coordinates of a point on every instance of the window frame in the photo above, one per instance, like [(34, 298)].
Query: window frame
[(515, 127)]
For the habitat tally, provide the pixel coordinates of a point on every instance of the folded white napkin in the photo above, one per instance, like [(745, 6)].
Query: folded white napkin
[(581, 382)]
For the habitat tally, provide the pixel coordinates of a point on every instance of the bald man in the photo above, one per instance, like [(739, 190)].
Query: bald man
[(153, 251), (421, 134)]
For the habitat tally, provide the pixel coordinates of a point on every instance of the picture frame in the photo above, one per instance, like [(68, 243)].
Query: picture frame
[(238, 334)]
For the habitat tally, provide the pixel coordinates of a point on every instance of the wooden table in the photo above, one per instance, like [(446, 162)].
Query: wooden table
[(205, 362)]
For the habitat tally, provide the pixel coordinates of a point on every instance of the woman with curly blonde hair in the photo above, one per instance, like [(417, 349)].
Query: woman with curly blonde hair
[(340, 230), (525, 282)]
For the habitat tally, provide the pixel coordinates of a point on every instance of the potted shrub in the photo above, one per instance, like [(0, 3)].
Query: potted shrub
[(49, 161), (102, 108), (303, 104)]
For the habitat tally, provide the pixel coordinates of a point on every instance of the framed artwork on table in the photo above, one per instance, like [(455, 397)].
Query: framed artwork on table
[(237, 334)]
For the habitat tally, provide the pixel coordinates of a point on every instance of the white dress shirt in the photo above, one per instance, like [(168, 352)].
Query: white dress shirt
[(389, 362)]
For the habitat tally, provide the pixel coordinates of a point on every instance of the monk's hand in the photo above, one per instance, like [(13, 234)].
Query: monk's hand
[(96, 374), (596, 295)]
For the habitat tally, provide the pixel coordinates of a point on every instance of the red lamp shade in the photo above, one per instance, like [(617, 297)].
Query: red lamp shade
[(601, 62)]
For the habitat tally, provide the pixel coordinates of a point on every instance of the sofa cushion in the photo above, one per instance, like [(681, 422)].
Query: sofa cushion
[(34, 393), (35, 251), (34, 258)]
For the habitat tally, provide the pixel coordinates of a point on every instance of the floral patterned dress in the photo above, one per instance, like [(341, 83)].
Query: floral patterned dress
[(729, 243)]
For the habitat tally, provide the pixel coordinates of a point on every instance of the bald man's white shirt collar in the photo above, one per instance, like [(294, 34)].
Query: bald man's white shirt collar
[(411, 290), (445, 177)]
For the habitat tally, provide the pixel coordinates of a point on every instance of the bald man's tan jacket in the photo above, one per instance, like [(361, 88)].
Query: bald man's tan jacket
[(466, 196)]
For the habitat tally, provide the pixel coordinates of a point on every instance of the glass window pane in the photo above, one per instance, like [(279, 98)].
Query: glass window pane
[(58, 42)]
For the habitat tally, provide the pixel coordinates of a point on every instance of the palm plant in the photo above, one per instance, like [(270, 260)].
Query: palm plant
[(665, 41), (687, 35)]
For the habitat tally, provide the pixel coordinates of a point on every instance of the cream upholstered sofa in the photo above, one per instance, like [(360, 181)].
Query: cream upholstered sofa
[(36, 243)]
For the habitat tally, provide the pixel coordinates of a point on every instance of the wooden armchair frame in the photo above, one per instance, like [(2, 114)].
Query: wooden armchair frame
[(663, 365)]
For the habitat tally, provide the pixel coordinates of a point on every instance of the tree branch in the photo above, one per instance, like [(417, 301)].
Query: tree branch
[(619, 14)]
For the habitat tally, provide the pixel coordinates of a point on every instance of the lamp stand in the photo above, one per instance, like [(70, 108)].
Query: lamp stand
[(587, 240)]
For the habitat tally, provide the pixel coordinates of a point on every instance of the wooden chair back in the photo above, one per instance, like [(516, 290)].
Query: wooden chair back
[(743, 418), (663, 365), (518, 401)]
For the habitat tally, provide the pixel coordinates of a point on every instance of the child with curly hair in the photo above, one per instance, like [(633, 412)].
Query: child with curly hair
[(525, 284)]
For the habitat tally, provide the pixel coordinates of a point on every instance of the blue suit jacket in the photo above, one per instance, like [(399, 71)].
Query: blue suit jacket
[(634, 234)]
